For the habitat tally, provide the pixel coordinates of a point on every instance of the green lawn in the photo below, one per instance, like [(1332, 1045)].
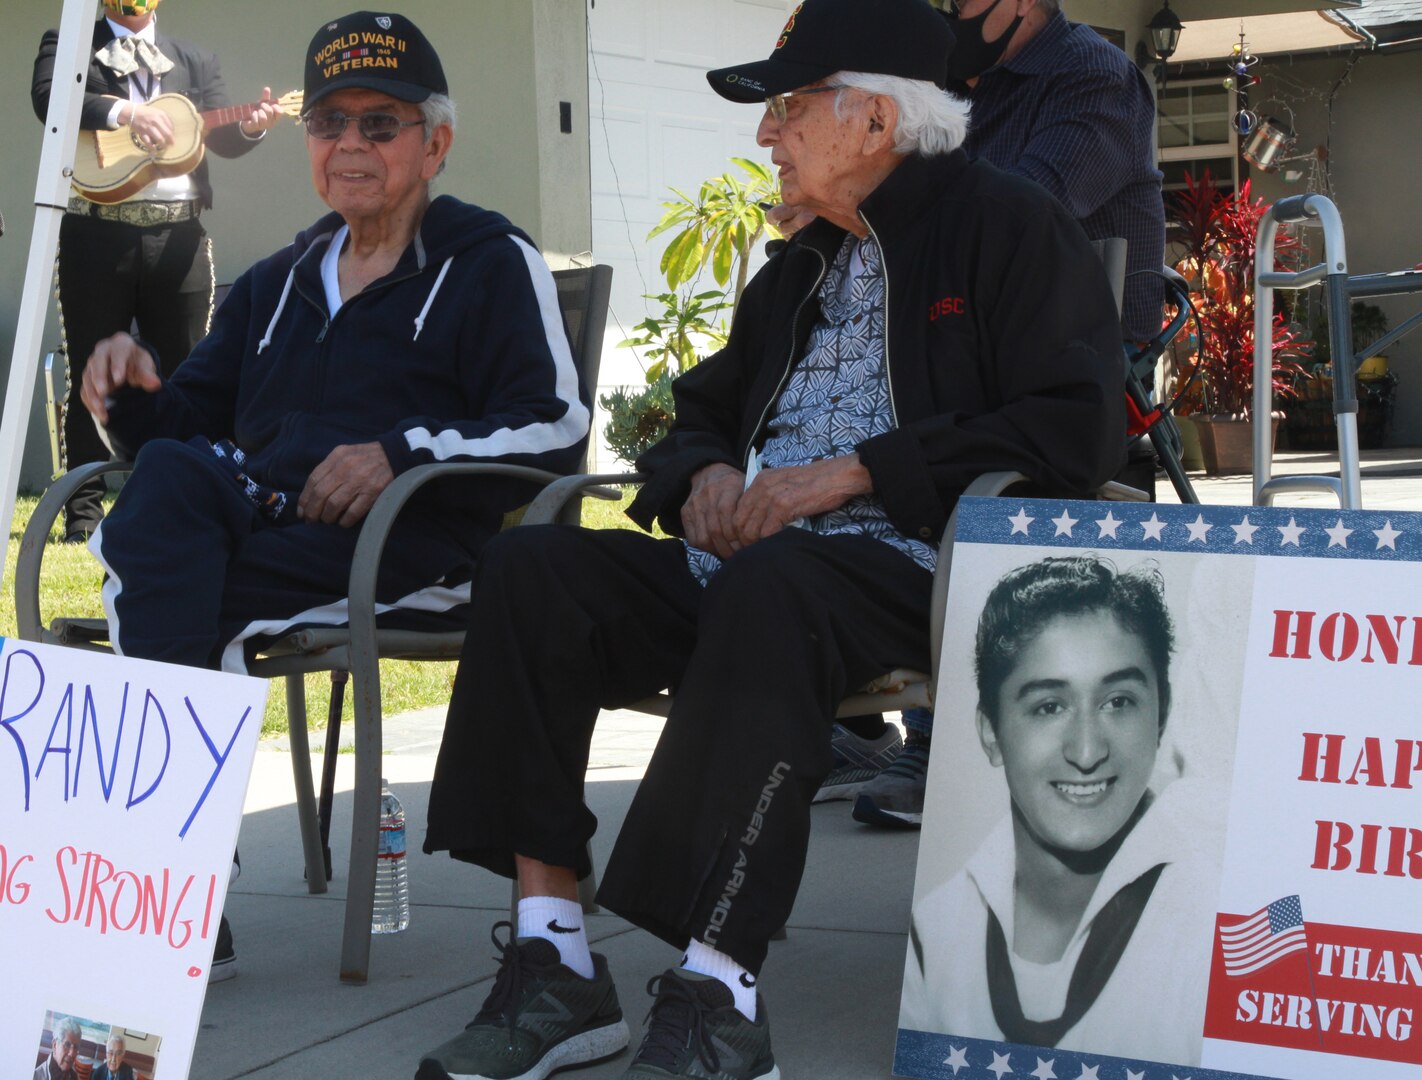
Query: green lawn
[(70, 586)]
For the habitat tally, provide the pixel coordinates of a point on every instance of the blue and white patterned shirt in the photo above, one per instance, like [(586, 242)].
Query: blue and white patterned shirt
[(1072, 112), (837, 396)]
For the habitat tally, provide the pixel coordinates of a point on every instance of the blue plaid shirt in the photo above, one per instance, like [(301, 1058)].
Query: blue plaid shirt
[(1072, 112)]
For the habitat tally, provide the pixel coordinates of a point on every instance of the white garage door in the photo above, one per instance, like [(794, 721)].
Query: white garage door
[(656, 125)]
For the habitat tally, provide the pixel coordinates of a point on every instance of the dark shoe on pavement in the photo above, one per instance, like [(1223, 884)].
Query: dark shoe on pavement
[(224, 956), (894, 798), (695, 1029), (540, 1017), (857, 761)]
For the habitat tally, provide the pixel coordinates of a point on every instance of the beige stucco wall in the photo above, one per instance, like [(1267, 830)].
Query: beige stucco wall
[(509, 64), (1376, 160)]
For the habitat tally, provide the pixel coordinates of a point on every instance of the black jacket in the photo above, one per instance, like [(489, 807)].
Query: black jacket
[(195, 75), (1003, 349)]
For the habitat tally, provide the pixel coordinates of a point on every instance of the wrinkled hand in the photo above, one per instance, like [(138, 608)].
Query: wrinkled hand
[(116, 361), (343, 488), (787, 220), (264, 116), (708, 511), (152, 125), (777, 497)]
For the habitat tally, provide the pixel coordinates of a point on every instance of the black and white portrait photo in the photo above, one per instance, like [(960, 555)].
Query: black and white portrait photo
[(1072, 845)]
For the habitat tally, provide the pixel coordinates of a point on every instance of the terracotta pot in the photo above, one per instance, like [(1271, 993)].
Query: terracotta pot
[(1227, 442)]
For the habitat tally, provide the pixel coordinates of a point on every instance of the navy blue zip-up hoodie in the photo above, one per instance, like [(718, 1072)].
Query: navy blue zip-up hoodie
[(458, 354)]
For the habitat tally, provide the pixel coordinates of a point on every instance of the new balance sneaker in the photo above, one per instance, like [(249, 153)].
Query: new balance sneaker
[(857, 761), (695, 1029), (894, 798), (540, 1017)]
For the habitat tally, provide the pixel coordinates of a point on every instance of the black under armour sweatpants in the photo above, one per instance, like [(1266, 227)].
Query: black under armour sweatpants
[(566, 621)]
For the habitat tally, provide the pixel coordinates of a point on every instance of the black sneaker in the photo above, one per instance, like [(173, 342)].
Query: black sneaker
[(857, 761), (224, 956), (695, 1029), (540, 1017), (894, 798)]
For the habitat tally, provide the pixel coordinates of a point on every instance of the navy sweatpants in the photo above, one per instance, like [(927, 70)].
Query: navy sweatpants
[(566, 621), (197, 576)]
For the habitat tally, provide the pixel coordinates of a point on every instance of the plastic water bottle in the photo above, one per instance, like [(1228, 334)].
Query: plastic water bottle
[(392, 885)]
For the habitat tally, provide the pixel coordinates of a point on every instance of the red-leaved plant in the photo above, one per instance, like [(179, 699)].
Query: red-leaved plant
[(1218, 232)]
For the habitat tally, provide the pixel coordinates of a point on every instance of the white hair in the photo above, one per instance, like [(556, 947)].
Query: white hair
[(435, 110), (931, 121), (438, 109)]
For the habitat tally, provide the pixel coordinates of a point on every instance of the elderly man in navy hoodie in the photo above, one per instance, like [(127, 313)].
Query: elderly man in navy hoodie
[(394, 331)]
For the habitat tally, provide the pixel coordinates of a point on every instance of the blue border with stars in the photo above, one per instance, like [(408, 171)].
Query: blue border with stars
[(1284, 531), (945, 1057)]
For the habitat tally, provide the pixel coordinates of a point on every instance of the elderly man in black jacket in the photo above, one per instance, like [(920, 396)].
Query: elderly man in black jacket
[(941, 319), (146, 258)]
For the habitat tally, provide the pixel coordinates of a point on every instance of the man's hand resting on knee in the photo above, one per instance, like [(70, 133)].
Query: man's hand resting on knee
[(343, 488), (116, 361)]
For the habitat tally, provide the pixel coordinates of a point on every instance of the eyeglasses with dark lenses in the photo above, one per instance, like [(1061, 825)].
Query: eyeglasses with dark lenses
[(376, 127)]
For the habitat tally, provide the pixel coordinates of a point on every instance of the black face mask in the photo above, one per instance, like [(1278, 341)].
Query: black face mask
[(971, 55)]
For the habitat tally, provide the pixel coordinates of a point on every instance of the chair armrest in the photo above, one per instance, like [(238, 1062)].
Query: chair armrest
[(986, 485), (30, 562), (546, 508), (375, 531)]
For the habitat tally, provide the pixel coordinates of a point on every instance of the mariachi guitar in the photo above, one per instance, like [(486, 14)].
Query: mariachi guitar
[(109, 166)]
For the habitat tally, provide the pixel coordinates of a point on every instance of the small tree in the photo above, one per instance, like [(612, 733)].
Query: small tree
[(718, 229)]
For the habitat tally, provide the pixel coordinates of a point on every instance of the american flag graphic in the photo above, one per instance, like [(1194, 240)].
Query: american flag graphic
[(1258, 940)]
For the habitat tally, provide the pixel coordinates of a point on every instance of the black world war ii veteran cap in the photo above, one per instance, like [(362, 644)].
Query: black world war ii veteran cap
[(371, 51), (907, 38)]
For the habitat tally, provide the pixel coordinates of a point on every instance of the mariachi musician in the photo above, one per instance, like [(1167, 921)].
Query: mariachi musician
[(148, 257)]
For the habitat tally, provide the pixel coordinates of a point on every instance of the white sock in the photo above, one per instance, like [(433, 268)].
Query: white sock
[(705, 960), (561, 922)]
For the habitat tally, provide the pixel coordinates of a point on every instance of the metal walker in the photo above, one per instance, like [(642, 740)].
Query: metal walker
[(1341, 289)]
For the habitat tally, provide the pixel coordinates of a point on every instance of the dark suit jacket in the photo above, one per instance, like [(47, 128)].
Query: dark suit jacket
[(195, 74), (101, 1072)]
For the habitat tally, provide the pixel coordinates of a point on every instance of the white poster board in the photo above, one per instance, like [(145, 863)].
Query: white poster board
[(1113, 886), (121, 790)]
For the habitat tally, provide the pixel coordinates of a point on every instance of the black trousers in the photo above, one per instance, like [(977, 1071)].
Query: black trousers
[(195, 575), (111, 275), (567, 621)]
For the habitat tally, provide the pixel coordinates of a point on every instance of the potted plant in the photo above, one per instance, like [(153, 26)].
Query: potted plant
[(1217, 231), (1310, 423), (719, 229)]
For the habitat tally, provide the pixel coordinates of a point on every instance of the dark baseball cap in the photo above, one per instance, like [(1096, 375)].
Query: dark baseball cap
[(372, 51), (907, 38)]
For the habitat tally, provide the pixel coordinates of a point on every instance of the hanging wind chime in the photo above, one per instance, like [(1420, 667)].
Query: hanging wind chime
[(1239, 80)]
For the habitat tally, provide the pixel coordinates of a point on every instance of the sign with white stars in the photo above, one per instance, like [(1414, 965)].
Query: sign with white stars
[(1173, 828)]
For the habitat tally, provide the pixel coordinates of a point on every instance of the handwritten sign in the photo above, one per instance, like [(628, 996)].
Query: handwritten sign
[(1172, 825), (121, 790)]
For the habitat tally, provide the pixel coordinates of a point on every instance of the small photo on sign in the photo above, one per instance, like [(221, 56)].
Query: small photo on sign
[(75, 1048)]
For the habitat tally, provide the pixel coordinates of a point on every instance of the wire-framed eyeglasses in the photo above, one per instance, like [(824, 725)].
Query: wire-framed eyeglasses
[(376, 127), (775, 104)]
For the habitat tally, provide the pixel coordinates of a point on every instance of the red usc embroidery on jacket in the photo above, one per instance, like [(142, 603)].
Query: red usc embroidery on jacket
[(949, 305)]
